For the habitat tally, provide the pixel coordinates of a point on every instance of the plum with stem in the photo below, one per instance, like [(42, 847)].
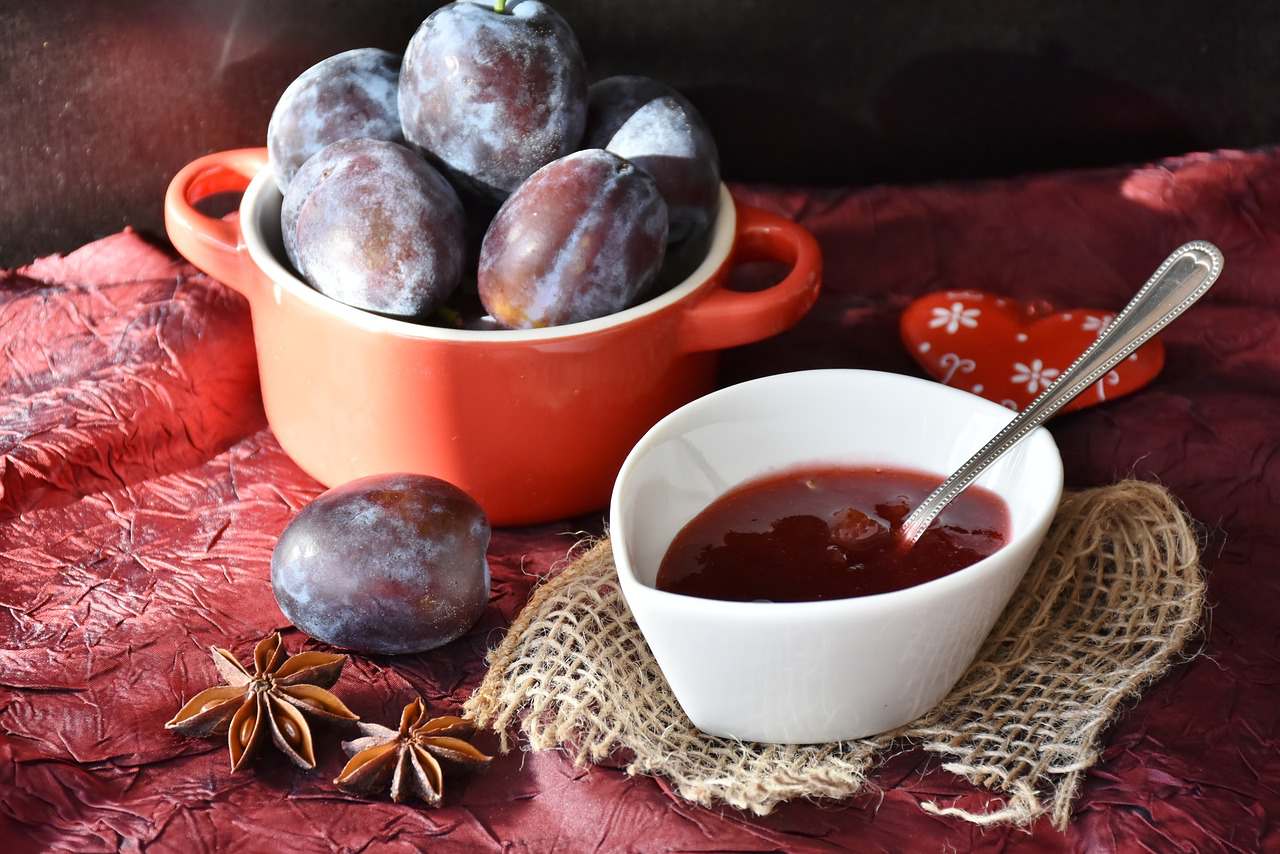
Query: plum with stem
[(493, 92)]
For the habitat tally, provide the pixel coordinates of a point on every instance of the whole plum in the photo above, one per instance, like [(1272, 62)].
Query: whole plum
[(378, 229), (493, 95), (657, 129), (580, 239), (385, 564), (352, 95)]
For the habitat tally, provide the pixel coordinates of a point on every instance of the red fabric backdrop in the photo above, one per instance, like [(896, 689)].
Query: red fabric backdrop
[(141, 494)]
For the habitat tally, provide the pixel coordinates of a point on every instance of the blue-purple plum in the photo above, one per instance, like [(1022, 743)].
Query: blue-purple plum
[(492, 96), (352, 95), (373, 225), (385, 564), (580, 239)]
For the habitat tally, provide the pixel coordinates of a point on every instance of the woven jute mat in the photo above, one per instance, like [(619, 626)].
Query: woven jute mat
[(1109, 604)]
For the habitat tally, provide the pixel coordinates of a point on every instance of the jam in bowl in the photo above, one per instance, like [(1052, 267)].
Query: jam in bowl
[(829, 667), (813, 534)]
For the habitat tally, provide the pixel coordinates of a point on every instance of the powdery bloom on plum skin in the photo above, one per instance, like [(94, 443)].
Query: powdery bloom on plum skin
[(353, 95), (379, 229), (358, 569), (493, 97), (580, 239)]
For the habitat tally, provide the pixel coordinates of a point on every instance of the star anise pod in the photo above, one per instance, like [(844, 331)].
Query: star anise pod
[(407, 760), (270, 698)]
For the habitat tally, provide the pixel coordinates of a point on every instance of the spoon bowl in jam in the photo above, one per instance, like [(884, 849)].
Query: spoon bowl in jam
[(754, 532)]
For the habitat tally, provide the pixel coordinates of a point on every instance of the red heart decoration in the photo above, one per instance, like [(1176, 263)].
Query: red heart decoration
[(1009, 352)]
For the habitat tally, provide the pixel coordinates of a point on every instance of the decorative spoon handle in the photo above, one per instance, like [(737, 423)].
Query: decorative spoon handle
[(1181, 280)]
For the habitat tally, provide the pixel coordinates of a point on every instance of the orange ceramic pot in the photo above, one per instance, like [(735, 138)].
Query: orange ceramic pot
[(533, 423)]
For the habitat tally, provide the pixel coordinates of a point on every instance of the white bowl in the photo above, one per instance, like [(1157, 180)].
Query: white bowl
[(808, 672)]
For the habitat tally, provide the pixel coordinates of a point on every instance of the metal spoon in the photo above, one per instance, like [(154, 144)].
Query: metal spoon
[(1181, 280)]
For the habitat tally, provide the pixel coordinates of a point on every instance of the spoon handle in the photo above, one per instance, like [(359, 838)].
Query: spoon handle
[(1181, 280)]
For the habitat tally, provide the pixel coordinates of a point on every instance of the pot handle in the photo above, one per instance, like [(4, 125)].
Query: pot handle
[(213, 245), (728, 318)]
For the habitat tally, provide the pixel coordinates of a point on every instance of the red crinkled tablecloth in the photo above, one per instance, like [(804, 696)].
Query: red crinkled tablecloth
[(141, 495)]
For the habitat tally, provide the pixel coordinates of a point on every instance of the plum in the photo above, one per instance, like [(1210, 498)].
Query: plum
[(378, 229), (352, 95), (385, 564), (581, 238), (491, 96), (657, 129)]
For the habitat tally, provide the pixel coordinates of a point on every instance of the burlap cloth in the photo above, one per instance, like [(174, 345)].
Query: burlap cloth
[(1109, 604)]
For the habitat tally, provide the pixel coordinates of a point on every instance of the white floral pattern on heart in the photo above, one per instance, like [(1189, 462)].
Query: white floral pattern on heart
[(1035, 375), (1097, 324), (1005, 338), (955, 317)]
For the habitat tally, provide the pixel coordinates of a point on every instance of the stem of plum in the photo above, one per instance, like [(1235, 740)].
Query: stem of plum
[(500, 6)]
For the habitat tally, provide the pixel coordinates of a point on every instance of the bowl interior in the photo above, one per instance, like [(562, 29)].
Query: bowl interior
[(706, 448), (260, 224)]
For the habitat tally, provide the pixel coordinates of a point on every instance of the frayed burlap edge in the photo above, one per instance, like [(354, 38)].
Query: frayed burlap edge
[(1109, 604)]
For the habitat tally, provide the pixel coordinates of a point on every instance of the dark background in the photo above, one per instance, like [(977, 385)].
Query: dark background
[(101, 102)]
